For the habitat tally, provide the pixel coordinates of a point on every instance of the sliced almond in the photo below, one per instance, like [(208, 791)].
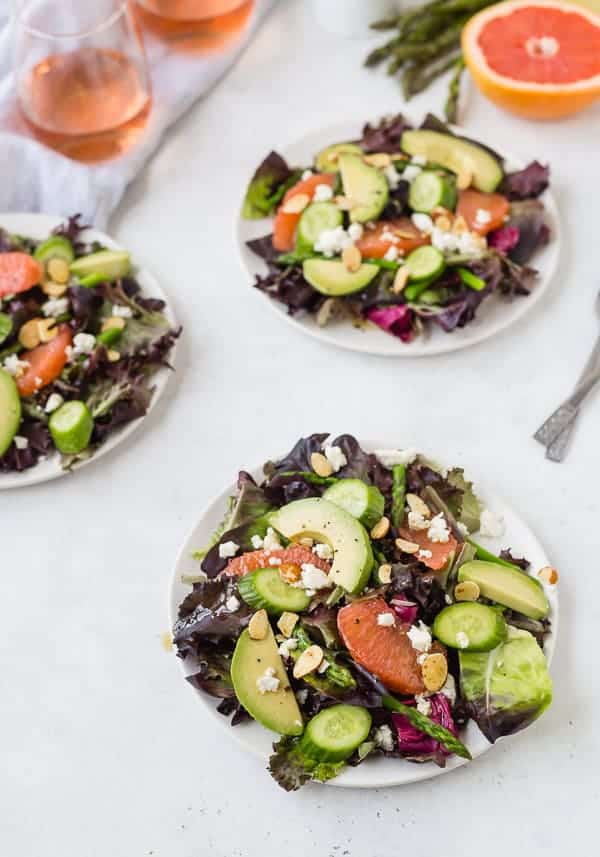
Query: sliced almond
[(296, 204), (287, 622), (402, 233), (258, 625), (415, 504), (306, 541), (378, 159), (29, 335), (381, 528), (290, 572), (434, 670), (440, 210), (459, 227), (549, 575), (115, 322), (47, 329), (53, 290), (401, 279), (468, 590), (385, 573), (351, 258), (332, 157), (442, 222), (320, 465), (464, 179), (407, 547), (58, 270), (308, 662), (399, 156), (344, 203), (113, 356)]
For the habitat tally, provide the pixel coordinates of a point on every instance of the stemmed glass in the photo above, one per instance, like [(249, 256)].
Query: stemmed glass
[(196, 25)]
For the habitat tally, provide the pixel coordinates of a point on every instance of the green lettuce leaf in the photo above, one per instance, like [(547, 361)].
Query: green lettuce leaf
[(466, 507), (291, 769), (267, 187)]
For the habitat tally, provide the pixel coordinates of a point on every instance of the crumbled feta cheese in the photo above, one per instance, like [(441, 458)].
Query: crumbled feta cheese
[(232, 604), (410, 172), (423, 705), (419, 160), (386, 620), (447, 599), (323, 551), (444, 241), (83, 343), (268, 681), (393, 176), (383, 738), (310, 592), (228, 549), (386, 235), (391, 254), (271, 540), (323, 193), (306, 175), (463, 528), (335, 457), (274, 560), (390, 457), (438, 531), (54, 402), (462, 639), (332, 241), (425, 554), (420, 637), (20, 441), (323, 666), (482, 216), (122, 311), (288, 646), (355, 231), (55, 307), (422, 658), (416, 521), (38, 381), (423, 222), (14, 366), (491, 525), (313, 578), (470, 244), (449, 689), (302, 695), (257, 542)]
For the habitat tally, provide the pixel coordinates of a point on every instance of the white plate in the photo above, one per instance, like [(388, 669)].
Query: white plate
[(493, 315), (378, 772), (40, 226)]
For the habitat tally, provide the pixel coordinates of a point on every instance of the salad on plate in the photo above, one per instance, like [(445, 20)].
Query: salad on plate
[(345, 605), (405, 228), (79, 346)]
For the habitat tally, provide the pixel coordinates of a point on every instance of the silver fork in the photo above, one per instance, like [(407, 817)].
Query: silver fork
[(555, 433)]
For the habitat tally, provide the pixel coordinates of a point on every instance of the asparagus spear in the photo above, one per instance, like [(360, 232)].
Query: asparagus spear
[(398, 493), (429, 727), (451, 106), (425, 75)]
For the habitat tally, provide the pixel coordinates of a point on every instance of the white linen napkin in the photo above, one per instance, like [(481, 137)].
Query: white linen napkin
[(35, 178)]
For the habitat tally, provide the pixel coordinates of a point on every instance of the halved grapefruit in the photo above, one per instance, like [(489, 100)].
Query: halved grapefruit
[(537, 59)]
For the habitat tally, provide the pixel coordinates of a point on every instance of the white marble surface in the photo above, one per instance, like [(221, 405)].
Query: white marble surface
[(103, 749)]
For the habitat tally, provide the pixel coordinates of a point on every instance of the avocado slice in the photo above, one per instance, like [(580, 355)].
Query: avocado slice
[(331, 277), (326, 522), (108, 264), (327, 162), (10, 410), (365, 186), (508, 586), (456, 155), (276, 710), (56, 247)]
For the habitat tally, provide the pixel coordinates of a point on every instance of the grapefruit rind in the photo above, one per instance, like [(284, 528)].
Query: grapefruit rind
[(527, 98)]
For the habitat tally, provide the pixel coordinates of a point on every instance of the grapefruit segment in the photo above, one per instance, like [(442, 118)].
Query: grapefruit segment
[(46, 362), (284, 227), (440, 551), (483, 212), (384, 650), (376, 242), (294, 555), (18, 273), (535, 58)]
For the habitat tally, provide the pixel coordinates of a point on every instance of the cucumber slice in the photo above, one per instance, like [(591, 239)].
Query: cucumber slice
[(425, 263), (57, 247), (362, 501), (264, 589), (334, 733), (71, 427), (470, 627), (471, 280), (315, 218), (109, 264), (430, 190)]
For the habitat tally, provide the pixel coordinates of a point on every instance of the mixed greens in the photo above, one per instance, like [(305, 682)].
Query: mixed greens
[(79, 346), (344, 604), (404, 228)]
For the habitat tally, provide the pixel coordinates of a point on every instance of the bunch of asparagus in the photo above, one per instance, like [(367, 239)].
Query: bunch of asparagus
[(427, 44)]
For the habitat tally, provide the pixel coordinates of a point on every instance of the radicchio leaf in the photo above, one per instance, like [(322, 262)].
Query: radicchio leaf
[(526, 183), (385, 136)]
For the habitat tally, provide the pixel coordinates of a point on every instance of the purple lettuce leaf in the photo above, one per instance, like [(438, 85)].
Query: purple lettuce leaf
[(264, 249), (521, 562), (40, 444), (504, 239), (288, 286), (397, 320), (385, 136), (528, 219), (526, 183), (461, 307), (203, 616)]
